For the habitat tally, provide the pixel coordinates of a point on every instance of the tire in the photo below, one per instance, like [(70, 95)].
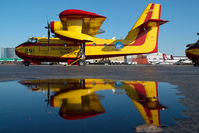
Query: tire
[(196, 65), (26, 63), (81, 63)]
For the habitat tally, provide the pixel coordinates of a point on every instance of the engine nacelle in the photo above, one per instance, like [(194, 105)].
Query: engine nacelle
[(56, 25)]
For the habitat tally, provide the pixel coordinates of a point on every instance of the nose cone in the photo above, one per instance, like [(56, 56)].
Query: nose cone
[(18, 50), (187, 53), (191, 54)]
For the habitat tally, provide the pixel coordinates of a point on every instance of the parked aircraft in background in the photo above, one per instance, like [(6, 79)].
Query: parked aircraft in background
[(161, 58), (75, 39)]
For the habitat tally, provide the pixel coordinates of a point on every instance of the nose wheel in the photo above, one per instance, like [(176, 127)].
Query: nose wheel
[(26, 63), (196, 63)]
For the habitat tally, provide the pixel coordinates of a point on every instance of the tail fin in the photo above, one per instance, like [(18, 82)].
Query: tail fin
[(148, 23)]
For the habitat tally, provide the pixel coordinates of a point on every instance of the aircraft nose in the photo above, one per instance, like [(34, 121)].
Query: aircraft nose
[(186, 51), (189, 54), (18, 50)]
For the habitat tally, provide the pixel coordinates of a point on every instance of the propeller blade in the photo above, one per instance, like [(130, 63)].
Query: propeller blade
[(48, 27)]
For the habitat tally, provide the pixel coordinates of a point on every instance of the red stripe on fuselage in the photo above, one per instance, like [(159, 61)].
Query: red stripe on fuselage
[(41, 58), (195, 47), (192, 56), (63, 59), (68, 45), (45, 44)]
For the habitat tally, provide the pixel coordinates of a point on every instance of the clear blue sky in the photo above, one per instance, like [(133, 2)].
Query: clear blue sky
[(21, 19)]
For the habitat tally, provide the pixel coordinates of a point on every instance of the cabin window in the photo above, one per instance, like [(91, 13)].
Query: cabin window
[(65, 44), (94, 44), (105, 44)]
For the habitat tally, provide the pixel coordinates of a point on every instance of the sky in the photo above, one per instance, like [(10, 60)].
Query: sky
[(21, 19)]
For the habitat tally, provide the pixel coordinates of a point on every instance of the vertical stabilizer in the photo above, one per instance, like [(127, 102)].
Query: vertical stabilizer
[(146, 29)]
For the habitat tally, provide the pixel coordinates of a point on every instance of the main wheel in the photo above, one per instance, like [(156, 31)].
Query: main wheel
[(26, 63), (196, 65), (81, 63)]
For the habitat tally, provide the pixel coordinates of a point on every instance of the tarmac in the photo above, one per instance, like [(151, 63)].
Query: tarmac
[(186, 78)]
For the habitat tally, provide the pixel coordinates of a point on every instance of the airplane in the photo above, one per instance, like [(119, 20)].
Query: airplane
[(192, 52), (77, 98), (75, 40), (161, 58)]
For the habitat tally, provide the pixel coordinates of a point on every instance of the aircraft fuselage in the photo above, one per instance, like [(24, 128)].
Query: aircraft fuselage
[(38, 50)]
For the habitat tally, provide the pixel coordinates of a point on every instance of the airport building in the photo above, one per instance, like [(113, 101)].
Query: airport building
[(8, 55)]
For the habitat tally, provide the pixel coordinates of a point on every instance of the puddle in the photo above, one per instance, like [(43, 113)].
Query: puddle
[(87, 105)]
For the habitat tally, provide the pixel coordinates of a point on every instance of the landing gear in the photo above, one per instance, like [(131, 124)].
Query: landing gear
[(81, 63), (82, 83), (26, 63), (196, 63)]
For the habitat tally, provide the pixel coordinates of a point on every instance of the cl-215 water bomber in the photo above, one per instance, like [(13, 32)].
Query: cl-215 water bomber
[(75, 39)]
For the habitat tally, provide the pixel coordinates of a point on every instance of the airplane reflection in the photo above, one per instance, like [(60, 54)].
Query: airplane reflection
[(77, 99)]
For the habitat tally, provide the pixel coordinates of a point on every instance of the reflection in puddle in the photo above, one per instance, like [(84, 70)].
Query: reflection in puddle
[(106, 103)]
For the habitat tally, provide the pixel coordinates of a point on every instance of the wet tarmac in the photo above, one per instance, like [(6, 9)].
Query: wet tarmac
[(182, 79)]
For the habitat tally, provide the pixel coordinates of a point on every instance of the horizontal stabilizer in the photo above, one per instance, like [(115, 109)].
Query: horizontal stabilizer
[(152, 23)]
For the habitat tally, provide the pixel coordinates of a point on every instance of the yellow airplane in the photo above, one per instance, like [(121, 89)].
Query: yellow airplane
[(75, 39), (77, 99)]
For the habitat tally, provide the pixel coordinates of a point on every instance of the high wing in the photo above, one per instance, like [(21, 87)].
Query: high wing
[(91, 26)]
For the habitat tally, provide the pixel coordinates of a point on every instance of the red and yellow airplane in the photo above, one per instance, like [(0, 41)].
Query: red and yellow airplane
[(75, 39), (77, 99)]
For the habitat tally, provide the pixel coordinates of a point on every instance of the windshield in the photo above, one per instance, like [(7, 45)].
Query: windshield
[(31, 40)]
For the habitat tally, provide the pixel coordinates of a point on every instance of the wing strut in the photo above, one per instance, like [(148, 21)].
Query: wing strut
[(82, 54), (81, 60)]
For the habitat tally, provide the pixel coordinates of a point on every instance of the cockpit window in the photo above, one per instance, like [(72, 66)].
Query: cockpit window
[(31, 40)]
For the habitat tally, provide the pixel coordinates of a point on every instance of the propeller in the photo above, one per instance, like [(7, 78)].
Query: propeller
[(48, 27)]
